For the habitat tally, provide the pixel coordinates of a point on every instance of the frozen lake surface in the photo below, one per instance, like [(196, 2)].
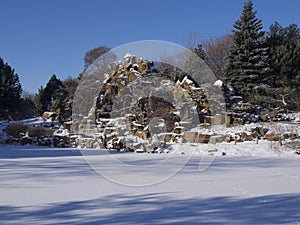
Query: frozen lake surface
[(59, 186)]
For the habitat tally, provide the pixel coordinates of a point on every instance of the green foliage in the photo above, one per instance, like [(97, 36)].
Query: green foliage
[(57, 96), (70, 86), (52, 94), (284, 44), (27, 109), (264, 68), (10, 91), (248, 60), (38, 101)]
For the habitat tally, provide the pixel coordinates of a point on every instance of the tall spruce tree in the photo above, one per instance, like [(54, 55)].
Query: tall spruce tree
[(247, 63), (10, 91)]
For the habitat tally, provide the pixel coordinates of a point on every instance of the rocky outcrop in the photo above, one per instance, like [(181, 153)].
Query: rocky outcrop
[(170, 111), (174, 108)]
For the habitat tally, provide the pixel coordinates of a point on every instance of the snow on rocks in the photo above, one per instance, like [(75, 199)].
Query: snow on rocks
[(219, 83)]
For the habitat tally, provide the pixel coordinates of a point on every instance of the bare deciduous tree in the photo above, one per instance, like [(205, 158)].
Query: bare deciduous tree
[(93, 54), (216, 50), (213, 50)]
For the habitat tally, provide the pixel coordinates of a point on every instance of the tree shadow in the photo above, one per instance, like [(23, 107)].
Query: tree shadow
[(159, 208), (19, 151), (228, 164)]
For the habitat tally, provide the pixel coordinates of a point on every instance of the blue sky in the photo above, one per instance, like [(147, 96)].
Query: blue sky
[(39, 38)]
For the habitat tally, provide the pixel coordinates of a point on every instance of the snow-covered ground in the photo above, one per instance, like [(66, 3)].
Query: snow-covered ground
[(249, 185)]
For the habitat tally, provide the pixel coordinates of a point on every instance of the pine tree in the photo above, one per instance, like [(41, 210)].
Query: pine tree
[(52, 94), (27, 107), (10, 91), (247, 63), (70, 85), (57, 96), (284, 44), (38, 101)]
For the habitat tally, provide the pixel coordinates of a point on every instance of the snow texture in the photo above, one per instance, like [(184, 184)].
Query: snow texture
[(57, 186), (218, 83), (187, 80)]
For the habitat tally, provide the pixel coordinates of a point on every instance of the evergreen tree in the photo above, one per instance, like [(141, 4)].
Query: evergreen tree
[(247, 63), (52, 95), (38, 101), (284, 44), (10, 91), (27, 107), (57, 96), (70, 85)]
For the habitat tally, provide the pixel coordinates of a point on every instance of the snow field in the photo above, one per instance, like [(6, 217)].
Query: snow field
[(58, 186)]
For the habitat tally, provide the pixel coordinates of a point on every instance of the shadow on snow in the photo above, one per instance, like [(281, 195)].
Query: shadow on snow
[(161, 209)]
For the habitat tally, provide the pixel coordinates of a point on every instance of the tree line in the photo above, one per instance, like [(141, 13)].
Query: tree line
[(262, 66)]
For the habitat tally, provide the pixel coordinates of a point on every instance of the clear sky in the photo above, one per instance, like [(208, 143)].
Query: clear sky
[(39, 38)]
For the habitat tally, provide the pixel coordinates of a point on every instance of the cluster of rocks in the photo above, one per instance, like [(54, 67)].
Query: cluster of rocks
[(41, 136), (290, 139), (185, 94), (121, 75), (239, 112), (177, 122), (41, 131)]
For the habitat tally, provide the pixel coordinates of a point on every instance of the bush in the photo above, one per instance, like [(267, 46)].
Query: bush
[(38, 132), (15, 129)]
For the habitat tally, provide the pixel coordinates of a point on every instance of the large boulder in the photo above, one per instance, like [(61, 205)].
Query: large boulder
[(272, 137), (204, 138), (190, 136)]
